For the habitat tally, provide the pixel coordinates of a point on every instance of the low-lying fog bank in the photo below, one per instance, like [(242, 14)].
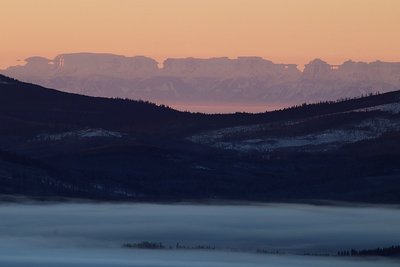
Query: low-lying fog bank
[(92, 234)]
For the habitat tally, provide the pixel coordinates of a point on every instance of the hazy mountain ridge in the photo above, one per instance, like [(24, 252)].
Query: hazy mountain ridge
[(190, 80)]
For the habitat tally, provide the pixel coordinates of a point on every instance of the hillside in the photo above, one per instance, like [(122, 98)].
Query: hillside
[(39, 107), (55, 144)]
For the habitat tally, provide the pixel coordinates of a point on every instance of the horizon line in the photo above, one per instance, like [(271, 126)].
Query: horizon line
[(161, 63)]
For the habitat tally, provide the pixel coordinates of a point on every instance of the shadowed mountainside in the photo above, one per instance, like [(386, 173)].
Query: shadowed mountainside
[(55, 144)]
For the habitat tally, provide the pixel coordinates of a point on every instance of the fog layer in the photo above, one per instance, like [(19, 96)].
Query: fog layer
[(92, 234)]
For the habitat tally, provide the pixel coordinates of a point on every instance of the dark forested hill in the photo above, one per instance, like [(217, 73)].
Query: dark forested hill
[(55, 144), (41, 107)]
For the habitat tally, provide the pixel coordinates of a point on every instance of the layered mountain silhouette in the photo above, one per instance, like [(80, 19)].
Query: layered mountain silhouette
[(245, 80), (55, 144)]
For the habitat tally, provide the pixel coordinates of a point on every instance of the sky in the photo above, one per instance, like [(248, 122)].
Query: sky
[(289, 31)]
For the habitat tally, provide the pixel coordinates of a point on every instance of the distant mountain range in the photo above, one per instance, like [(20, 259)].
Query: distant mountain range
[(214, 81), (55, 144)]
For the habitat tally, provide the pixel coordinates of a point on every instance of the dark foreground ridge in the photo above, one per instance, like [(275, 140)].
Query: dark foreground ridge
[(60, 145)]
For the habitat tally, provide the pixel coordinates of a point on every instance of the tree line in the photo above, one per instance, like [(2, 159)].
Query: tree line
[(387, 252)]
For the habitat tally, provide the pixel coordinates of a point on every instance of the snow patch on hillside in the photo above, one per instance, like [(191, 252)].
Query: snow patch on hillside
[(393, 108), (328, 139), (81, 134)]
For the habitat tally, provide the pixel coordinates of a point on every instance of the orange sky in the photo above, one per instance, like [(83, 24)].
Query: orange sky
[(290, 31)]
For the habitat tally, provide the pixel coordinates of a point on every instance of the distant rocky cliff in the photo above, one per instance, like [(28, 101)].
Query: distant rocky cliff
[(250, 80)]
